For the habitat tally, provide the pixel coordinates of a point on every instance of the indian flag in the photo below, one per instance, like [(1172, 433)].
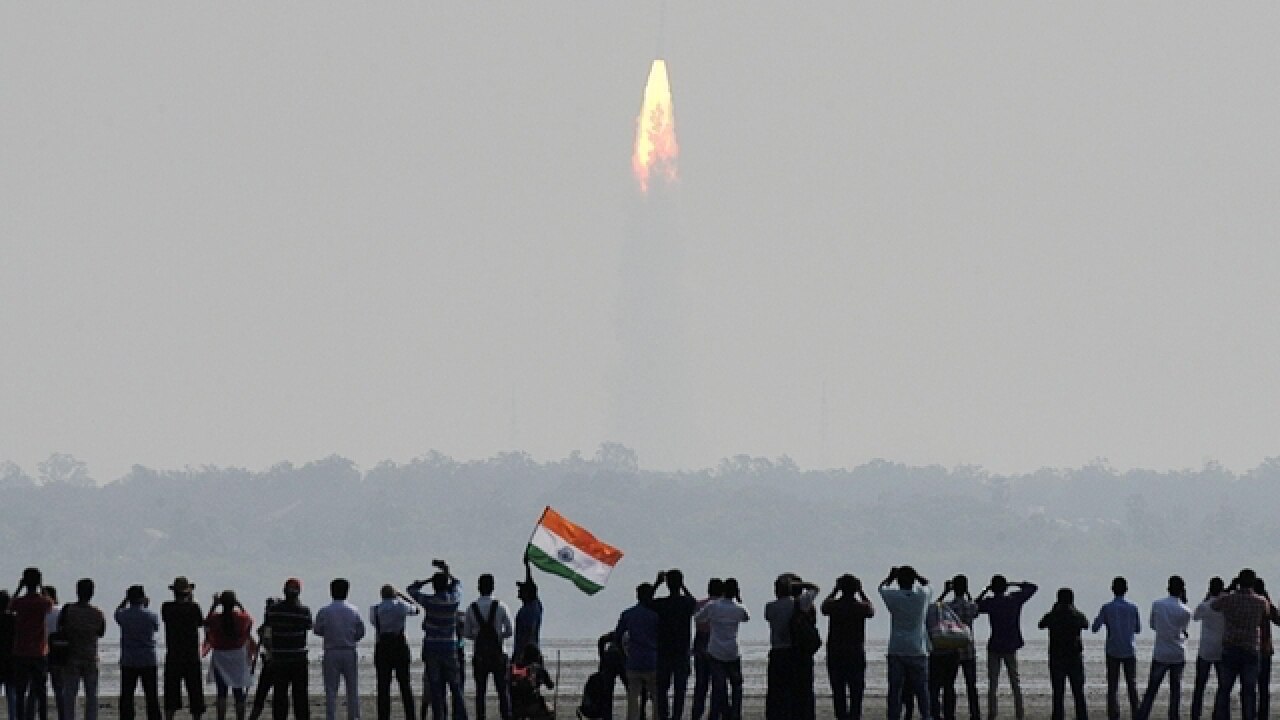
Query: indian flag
[(570, 551)]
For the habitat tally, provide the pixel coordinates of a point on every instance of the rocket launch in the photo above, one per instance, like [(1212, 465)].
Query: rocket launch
[(656, 151)]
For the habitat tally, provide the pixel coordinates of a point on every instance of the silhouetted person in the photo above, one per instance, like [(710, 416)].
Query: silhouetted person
[(1169, 620), (723, 616), (288, 623), (675, 636), (488, 625), (1004, 609), (1066, 653), (342, 628), (908, 656), (229, 632), (391, 655), (55, 667), (701, 661), (138, 663), (182, 619), (440, 641), (267, 675), (6, 653), (1209, 650), (612, 668), (848, 608), (30, 607), (638, 631), (1122, 621), (1266, 649), (82, 625), (528, 623), (785, 694), (1243, 612), (945, 665), (528, 677)]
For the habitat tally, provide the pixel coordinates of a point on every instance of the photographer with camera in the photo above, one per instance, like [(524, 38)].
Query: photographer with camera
[(849, 608), (138, 627), (908, 655), (440, 640), (1243, 613), (1004, 610)]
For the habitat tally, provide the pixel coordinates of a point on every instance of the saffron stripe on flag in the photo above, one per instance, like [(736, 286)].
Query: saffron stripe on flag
[(580, 538)]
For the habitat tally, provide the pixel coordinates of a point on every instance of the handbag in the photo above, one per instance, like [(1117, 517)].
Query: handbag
[(948, 631), (59, 643)]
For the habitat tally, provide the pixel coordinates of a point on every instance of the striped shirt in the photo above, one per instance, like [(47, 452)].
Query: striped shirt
[(288, 621), (439, 617)]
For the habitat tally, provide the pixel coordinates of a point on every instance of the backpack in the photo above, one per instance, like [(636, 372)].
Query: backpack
[(595, 698), (488, 647), (804, 631)]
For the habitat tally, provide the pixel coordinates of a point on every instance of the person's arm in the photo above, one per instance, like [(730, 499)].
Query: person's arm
[(359, 625), (1027, 589), (1044, 621), (1198, 613), (829, 602), (102, 624), (659, 580), (1137, 620), (1098, 622), (507, 629), (470, 629), (866, 602), (321, 623), (703, 613), (888, 580), (1081, 621)]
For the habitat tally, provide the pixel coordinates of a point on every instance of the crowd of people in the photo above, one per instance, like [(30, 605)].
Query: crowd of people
[(656, 647)]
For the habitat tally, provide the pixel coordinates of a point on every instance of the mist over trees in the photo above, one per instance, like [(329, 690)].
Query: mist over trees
[(747, 517)]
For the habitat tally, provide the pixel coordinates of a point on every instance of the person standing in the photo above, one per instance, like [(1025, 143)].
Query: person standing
[(182, 619), (789, 695), (6, 653), (30, 607), (138, 627), (908, 656), (488, 625), (287, 622), (1169, 620), (637, 630), (528, 624), (722, 617), (342, 628), (391, 651), (702, 661), (1066, 653), (440, 641), (55, 666), (229, 629), (1005, 613), (82, 625), (965, 609), (1243, 613), (675, 616), (848, 608), (1266, 649), (1209, 650), (1122, 621)]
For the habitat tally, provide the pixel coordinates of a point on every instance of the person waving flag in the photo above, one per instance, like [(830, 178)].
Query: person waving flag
[(562, 548)]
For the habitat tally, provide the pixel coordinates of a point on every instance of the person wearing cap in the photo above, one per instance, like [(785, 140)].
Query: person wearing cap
[(528, 623), (288, 622), (391, 651), (182, 622), (138, 627), (342, 628), (30, 645)]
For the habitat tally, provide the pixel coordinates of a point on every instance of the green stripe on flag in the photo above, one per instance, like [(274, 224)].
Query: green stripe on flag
[(546, 563)]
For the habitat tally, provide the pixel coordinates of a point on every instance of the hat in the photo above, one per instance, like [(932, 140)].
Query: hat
[(182, 585), (135, 593), (294, 582)]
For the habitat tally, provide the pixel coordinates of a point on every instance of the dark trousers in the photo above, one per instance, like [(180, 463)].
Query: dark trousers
[(29, 688), (55, 687), (289, 678), (1202, 681), (482, 670), (943, 669), (969, 668), (789, 695), (1264, 687), (1061, 672), (909, 676), (1242, 664), (266, 683), (848, 676), (611, 673), (726, 702), (129, 679), (444, 681), (391, 659), (1115, 666), (672, 685), (701, 682), (178, 673), (1158, 671)]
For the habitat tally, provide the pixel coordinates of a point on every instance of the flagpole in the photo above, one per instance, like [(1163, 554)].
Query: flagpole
[(535, 530)]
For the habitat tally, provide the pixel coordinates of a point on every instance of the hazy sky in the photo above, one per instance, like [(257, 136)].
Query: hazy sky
[(1007, 234)]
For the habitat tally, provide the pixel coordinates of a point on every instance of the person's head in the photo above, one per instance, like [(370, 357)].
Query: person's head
[(485, 584), (999, 584), (388, 592), (960, 585), (50, 592), (440, 583), (339, 588), (1066, 596), (530, 654), (1216, 586), (84, 590), (730, 589), (31, 579), (1247, 578), (227, 600), (675, 580), (292, 588), (1178, 587), (269, 603), (182, 588), (4, 601), (644, 593), (848, 584), (135, 595), (715, 587), (782, 586), (527, 591), (907, 577), (1119, 587)]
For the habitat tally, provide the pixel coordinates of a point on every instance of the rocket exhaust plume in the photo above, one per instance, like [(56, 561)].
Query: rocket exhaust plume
[(656, 152)]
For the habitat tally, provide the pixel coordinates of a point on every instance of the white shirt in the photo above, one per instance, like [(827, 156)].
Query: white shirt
[(722, 616), (387, 617), (1169, 621), (501, 618), (1212, 625), (51, 620), (340, 624)]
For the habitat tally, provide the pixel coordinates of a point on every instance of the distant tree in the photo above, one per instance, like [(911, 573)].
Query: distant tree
[(64, 469), (617, 458), (12, 476)]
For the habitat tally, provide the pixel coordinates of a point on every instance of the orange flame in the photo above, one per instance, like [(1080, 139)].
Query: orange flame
[(656, 151)]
